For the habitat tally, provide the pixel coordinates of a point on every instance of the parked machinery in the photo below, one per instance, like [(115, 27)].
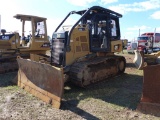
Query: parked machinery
[(149, 42), (13, 44), (125, 43), (82, 53), (150, 100), (142, 60)]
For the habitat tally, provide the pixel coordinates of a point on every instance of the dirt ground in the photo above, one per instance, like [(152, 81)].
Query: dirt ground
[(114, 99)]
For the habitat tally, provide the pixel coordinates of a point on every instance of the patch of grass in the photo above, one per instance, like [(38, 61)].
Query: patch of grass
[(124, 90), (14, 87)]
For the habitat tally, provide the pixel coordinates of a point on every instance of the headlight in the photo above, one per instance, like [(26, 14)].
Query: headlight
[(116, 47)]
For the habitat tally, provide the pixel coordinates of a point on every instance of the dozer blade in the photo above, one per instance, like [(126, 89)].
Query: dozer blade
[(42, 80), (150, 101), (139, 59)]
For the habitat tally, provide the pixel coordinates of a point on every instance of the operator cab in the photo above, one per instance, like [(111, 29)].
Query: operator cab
[(103, 26), (33, 29), (93, 32)]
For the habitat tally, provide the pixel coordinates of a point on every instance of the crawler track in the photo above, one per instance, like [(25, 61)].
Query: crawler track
[(9, 63), (91, 71)]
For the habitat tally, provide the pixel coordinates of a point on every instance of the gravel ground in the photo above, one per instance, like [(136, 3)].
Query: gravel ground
[(115, 99)]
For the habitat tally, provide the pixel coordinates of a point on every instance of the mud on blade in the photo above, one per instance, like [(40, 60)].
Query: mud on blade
[(42, 80)]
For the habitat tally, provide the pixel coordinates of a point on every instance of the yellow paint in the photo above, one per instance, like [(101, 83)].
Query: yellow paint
[(75, 41), (73, 55), (35, 43), (115, 44)]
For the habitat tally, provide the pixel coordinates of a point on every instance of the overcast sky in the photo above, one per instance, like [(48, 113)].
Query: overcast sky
[(137, 14)]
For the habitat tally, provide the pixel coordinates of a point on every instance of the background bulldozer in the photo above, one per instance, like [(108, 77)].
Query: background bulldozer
[(32, 40), (149, 63), (82, 53)]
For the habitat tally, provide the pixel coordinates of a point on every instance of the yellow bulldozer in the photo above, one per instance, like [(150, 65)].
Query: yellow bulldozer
[(150, 64), (83, 53), (35, 40)]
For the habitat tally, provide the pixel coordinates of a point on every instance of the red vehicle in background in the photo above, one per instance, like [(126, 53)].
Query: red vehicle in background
[(149, 42)]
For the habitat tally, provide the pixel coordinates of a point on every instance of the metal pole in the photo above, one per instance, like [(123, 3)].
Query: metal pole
[(0, 24), (154, 37)]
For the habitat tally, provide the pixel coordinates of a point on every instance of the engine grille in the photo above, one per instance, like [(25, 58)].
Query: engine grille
[(57, 51)]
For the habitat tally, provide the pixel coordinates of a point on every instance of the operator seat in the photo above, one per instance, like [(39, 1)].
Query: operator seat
[(102, 35)]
